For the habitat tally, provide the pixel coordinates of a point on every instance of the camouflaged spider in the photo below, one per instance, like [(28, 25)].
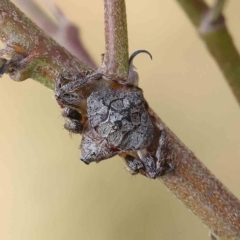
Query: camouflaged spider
[(113, 119)]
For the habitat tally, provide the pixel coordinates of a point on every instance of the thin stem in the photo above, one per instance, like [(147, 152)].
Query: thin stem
[(33, 10), (217, 39), (221, 46), (194, 9), (198, 188), (218, 9), (62, 30), (42, 58), (116, 39)]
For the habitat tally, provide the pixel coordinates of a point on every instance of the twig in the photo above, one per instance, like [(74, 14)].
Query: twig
[(41, 57), (35, 12), (217, 39), (62, 30), (199, 189), (116, 39), (190, 181)]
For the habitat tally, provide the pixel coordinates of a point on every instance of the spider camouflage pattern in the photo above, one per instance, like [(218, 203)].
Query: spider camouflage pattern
[(113, 119)]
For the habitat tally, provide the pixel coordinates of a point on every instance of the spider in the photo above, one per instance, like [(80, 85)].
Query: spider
[(113, 119)]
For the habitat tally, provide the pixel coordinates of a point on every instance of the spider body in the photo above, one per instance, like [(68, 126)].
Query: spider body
[(113, 118), (118, 122)]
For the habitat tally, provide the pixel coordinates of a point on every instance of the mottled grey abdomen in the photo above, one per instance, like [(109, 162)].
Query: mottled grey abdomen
[(119, 121)]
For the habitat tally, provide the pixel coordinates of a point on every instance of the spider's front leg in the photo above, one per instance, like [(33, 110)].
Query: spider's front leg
[(67, 91), (73, 89), (134, 165), (74, 123), (68, 97)]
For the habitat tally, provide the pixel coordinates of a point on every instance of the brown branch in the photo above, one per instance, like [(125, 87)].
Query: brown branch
[(190, 181), (198, 188), (41, 57), (217, 39), (116, 39), (62, 30), (37, 14)]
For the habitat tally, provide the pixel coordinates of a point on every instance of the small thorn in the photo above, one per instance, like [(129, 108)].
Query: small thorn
[(136, 53)]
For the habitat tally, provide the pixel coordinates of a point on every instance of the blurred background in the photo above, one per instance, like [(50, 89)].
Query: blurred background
[(48, 193)]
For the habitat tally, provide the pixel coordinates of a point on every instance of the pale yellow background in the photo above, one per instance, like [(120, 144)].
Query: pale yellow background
[(48, 194)]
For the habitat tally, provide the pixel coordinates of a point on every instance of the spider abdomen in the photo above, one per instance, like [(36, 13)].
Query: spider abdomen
[(117, 121)]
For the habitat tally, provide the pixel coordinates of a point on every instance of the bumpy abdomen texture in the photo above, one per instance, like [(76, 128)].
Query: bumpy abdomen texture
[(119, 121)]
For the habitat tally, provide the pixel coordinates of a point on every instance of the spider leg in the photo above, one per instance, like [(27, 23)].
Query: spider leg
[(160, 153), (74, 123), (64, 78), (148, 162), (60, 81), (68, 112), (74, 126), (160, 166), (134, 165)]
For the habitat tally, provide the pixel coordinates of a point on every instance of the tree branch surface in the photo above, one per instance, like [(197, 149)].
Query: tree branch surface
[(200, 190), (42, 57), (116, 39), (190, 181), (62, 29)]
